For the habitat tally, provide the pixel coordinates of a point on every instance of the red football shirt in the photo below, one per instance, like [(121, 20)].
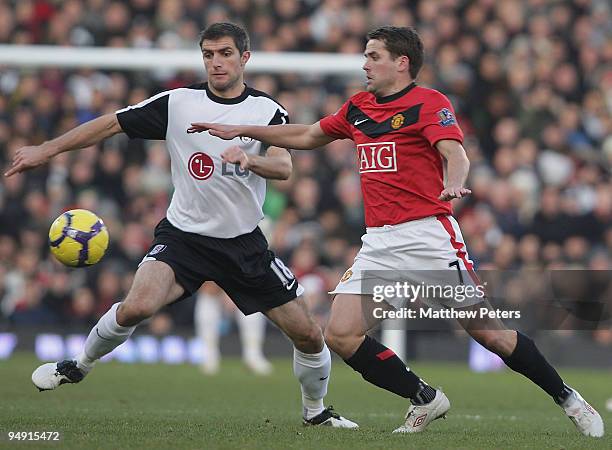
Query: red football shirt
[(401, 171)]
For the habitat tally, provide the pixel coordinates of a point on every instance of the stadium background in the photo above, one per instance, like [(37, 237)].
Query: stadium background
[(531, 82)]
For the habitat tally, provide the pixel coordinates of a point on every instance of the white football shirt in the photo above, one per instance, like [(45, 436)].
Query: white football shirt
[(211, 197)]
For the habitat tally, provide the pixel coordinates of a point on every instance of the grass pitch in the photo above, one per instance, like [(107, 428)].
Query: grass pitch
[(175, 407)]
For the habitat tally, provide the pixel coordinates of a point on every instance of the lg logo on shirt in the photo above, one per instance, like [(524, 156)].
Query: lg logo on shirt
[(377, 157), (201, 167)]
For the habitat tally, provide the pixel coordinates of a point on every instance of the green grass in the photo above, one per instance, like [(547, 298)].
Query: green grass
[(163, 407)]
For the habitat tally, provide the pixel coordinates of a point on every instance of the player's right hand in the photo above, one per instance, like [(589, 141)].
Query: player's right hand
[(451, 193), (27, 158), (226, 132)]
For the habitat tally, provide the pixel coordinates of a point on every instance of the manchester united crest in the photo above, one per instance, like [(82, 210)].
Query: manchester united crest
[(348, 274), (397, 121)]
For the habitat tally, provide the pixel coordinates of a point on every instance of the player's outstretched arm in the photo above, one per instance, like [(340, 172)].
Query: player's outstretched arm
[(458, 166), (299, 137), (84, 135), (275, 165)]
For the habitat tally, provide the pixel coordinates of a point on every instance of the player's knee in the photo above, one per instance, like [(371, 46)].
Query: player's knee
[(308, 339), (331, 339), (340, 343), (133, 312)]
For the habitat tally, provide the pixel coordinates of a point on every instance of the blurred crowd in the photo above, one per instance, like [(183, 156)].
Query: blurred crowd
[(531, 82)]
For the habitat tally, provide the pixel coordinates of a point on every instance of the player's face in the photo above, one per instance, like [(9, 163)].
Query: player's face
[(380, 68), (224, 64)]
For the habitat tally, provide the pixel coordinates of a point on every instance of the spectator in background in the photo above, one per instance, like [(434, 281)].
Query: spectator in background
[(211, 302)]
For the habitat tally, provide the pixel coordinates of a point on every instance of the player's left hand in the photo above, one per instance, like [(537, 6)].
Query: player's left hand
[(236, 155), (453, 192)]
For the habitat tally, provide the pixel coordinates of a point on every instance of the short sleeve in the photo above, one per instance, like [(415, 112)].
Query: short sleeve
[(146, 120), (336, 125), (281, 117), (438, 120)]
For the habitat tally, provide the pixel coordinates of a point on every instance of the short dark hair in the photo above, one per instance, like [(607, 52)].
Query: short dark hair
[(401, 41), (224, 29)]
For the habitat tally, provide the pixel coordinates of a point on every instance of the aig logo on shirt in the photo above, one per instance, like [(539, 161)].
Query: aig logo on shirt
[(377, 157)]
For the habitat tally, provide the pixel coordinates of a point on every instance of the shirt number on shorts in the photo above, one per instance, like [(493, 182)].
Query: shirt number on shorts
[(283, 273), (456, 264)]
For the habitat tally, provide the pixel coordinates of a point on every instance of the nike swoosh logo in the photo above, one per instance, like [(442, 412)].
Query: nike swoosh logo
[(102, 337), (359, 122), (324, 378), (289, 286)]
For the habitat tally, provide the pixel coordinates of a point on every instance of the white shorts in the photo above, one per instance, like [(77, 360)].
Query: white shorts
[(428, 252)]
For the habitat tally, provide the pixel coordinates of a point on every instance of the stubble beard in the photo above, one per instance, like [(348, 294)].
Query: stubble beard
[(224, 87)]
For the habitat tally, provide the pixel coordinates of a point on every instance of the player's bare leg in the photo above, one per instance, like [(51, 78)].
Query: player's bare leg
[(154, 286), (311, 362), (520, 353), (350, 319)]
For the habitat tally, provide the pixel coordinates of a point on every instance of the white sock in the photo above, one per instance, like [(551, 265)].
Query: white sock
[(207, 317), (313, 371), (105, 336), (252, 333)]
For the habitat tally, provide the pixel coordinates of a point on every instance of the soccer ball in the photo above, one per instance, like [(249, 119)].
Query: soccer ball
[(78, 238)]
